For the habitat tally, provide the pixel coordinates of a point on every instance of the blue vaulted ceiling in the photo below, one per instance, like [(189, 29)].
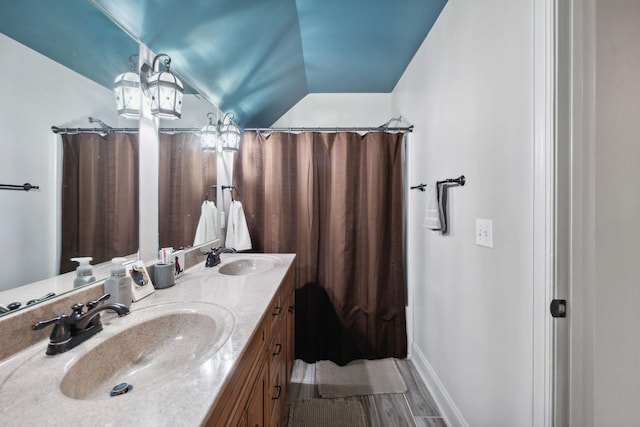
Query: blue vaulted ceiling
[(255, 58)]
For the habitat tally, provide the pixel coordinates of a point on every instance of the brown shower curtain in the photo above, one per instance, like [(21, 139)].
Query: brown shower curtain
[(334, 199), (99, 197), (186, 176)]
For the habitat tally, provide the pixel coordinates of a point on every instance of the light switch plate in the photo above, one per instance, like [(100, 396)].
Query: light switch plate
[(484, 233)]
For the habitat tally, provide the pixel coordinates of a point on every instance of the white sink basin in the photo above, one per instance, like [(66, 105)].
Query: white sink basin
[(251, 264)]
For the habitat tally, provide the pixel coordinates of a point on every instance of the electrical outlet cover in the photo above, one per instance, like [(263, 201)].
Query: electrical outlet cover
[(484, 233)]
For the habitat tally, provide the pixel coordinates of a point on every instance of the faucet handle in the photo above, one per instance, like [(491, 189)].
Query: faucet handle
[(94, 302), (75, 316), (60, 332), (43, 323), (213, 258)]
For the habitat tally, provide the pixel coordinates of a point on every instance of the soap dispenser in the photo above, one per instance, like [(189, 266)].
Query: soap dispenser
[(84, 271), (119, 284)]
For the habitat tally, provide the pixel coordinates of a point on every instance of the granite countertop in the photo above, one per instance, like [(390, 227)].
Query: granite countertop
[(32, 397)]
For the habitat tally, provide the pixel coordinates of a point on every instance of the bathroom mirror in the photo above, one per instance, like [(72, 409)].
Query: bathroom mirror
[(36, 38), (42, 94)]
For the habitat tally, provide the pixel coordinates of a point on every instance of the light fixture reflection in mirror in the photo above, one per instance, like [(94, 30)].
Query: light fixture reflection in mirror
[(230, 134), (209, 135)]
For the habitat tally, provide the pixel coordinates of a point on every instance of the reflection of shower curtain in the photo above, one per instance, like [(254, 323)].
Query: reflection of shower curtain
[(186, 176), (334, 199), (99, 197)]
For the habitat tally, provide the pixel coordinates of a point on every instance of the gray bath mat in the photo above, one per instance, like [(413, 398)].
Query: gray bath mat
[(326, 413), (359, 377)]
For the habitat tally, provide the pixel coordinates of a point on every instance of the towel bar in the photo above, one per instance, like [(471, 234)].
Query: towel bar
[(232, 188), (26, 187), (461, 180)]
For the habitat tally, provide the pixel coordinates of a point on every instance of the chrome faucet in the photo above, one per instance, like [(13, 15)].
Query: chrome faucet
[(71, 330), (213, 257)]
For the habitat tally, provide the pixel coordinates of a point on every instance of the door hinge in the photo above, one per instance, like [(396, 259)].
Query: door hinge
[(558, 308)]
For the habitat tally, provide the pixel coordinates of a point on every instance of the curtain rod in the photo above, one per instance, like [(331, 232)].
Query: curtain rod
[(334, 129), (103, 131)]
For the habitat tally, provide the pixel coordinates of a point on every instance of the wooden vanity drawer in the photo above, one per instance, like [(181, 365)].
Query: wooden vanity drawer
[(282, 301), (277, 312), (277, 388)]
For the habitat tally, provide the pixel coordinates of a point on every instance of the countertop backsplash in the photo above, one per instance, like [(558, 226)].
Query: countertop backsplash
[(15, 328)]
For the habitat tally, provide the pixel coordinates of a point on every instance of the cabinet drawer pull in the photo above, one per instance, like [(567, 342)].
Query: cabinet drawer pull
[(278, 392), (292, 308), (277, 311), (278, 350)]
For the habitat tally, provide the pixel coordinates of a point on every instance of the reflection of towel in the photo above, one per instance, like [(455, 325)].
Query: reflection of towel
[(432, 209), (237, 230), (207, 229)]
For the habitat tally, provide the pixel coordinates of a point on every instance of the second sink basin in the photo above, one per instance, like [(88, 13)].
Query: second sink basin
[(165, 341), (251, 264)]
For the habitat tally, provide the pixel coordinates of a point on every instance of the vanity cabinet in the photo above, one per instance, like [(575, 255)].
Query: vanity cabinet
[(290, 325), (255, 393), (280, 352)]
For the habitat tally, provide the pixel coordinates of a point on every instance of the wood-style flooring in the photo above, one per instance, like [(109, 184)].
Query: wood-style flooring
[(416, 407)]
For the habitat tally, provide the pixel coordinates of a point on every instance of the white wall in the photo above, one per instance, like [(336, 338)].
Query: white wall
[(37, 93), (338, 109), (469, 94)]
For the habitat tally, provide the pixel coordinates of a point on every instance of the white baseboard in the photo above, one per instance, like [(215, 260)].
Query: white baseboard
[(450, 413)]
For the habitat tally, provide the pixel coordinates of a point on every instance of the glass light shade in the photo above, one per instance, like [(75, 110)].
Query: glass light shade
[(209, 137), (166, 95), (230, 137), (127, 91)]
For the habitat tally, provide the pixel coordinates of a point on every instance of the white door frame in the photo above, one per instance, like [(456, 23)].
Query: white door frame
[(543, 209), (582, 213)]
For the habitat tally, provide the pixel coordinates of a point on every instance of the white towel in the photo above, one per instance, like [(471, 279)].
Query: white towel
[(237, 230), (442, 205), (432, 208), (207, 229)]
